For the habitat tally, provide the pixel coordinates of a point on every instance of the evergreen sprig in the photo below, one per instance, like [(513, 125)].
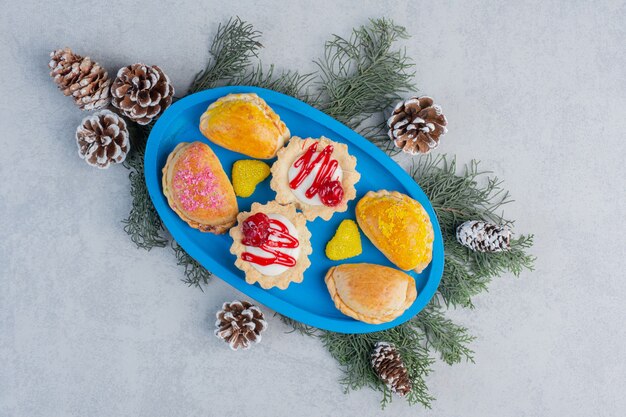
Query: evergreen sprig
[(143, 223), (353, 353), (444, 336), (298, 327), (363, 75), (291, 83), (469, 195), (195, 274), (232, 50)]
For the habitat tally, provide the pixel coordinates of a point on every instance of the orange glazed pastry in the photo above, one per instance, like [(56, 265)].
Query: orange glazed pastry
[(244, 123), (398, 226), (370, 293), (197, 188)]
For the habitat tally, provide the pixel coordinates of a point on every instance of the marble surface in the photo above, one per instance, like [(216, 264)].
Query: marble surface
[(91, 326)]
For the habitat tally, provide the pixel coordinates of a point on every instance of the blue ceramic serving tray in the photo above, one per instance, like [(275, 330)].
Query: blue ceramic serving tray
[(307, 302)]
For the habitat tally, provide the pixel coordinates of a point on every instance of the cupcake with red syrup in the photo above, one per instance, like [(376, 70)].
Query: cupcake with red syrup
[(316, 175), (272, 245)]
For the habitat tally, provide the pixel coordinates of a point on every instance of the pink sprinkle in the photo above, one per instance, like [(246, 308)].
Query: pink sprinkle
[(197, 190)]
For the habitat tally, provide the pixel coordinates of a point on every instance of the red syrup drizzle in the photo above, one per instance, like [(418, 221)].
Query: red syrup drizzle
[(257, 230), (329, 190)]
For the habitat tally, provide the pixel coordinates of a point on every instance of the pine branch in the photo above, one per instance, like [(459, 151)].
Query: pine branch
[(363, 75), (290, 83), (377, 134), (443, 336), (195, 274), (353, 353), (298, 327), (456, 198), (143, 223), (458, 285), (514, 260), (460, 197), (232, 49)]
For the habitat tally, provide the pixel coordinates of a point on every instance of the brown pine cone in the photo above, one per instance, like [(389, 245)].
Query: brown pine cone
[(86, 81), (142, 92), (102, 139), (416, 125), (389, 367), (240, 324)]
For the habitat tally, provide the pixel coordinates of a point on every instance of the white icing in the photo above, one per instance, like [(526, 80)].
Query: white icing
[(275, 269), (308, 181)]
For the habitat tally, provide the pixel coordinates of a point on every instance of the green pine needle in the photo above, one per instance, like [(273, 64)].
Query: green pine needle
[(456, 198), (195, 274), (363, 75), (232, 49), (301, 328), (353, 353), (287, 82), (143, 223), (445, 337)]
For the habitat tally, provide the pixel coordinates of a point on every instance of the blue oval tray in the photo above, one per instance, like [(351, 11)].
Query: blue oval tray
[(307, 302)]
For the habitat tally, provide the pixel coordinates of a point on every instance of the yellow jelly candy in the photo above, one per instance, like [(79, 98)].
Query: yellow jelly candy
[(346, 243), (247, 174)]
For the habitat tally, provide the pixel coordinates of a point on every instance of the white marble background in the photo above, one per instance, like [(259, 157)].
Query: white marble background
[(91, 326)]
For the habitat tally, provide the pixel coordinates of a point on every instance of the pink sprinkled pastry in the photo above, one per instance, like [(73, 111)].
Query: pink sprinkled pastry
[(198, 189)]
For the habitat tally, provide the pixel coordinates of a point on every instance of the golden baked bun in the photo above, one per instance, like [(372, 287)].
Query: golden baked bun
[(244, 123), (197, 188), (370, 293), (398, 226)]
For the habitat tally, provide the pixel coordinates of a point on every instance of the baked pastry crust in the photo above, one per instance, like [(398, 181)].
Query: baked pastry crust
[(370, 293), (398, 226), (244, 123), (198, 189), (293, 274), (288, 155)]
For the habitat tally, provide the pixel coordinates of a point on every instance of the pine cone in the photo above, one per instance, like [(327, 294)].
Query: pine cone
[(240, 324), (481, 236), (86, 81), (416, 125), (102, 139), (389, 367), (142, 92)]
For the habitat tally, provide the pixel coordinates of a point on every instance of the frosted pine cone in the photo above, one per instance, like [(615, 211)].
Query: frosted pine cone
[(102, 139), (86, 81), (416, 125), (389, 367), (141, 92), (240, 324), (481, 236)]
